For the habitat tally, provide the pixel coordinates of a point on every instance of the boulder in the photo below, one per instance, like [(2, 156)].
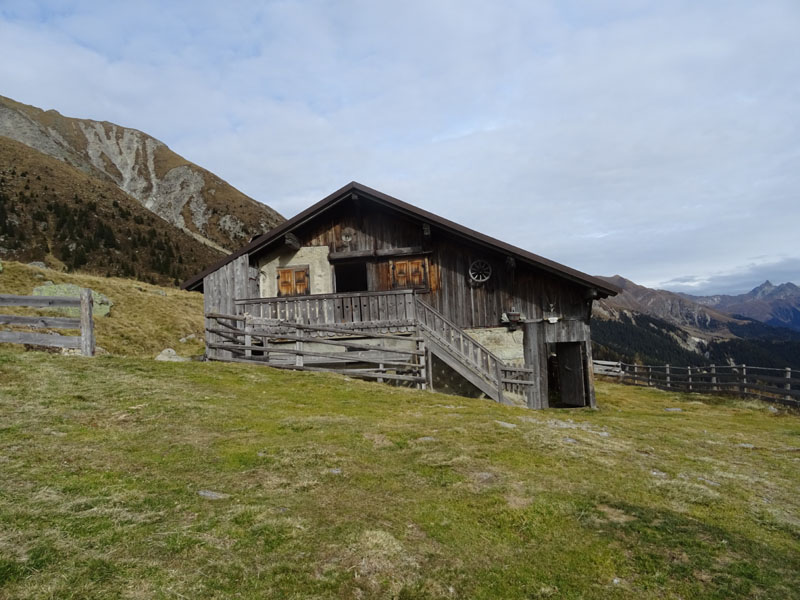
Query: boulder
[(101, 304), (169, 355)]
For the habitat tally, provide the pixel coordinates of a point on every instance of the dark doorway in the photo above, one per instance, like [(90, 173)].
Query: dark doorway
[(351, 277), (570, 374)]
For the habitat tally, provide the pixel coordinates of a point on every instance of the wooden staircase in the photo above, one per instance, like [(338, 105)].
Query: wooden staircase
[(462, 353)]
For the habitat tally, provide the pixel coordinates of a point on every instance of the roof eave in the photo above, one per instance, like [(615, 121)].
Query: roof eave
[(603, 289)]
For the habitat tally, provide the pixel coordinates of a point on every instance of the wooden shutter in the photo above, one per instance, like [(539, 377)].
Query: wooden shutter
[(301, 287), (293, 281), (285, 282), (416, 273), (410, 273), (400, 274)]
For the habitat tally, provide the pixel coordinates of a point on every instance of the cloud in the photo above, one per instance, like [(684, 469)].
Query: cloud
[(649, 139)]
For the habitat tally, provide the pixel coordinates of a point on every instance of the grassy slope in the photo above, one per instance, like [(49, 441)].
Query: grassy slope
[(144, 319), (347, 489)]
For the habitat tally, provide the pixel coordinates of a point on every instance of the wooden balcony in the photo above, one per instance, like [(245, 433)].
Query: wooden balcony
[(387, 312)]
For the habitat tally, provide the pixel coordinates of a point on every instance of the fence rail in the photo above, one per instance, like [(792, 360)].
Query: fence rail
[(766, 383), (85, 342), (359, 352)]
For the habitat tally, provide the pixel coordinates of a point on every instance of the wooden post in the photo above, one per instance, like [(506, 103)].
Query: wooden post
[(588, 371), (429, 365), (649, 376), (87, 323), (788, 386), (423, 371), (298, 345), (248, 342), (689, 377), (668, 377), (714, 387), (635, 374), (498, 374), (535, 353), (744, 380)]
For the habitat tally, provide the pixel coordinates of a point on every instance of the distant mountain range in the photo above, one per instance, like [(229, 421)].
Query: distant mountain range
[(777, 305), (180, 192), (658, 326)]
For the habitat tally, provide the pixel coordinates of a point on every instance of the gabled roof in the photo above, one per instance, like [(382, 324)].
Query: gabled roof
[(364, 192)]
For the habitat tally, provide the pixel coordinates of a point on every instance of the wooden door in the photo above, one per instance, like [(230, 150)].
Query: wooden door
[(570, 373)]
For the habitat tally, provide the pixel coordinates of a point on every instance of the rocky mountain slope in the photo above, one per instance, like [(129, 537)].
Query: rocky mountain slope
[(668, 306), (56, 214), (777, 305), (659, 327), (180, 192)]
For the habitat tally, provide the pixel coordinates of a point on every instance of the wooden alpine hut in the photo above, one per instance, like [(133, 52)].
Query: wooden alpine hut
[(364, 284)]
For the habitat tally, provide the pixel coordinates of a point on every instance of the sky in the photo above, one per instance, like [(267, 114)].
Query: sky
[(656, 140)]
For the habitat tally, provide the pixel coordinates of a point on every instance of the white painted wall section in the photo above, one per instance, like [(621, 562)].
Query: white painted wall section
[(319, 269)]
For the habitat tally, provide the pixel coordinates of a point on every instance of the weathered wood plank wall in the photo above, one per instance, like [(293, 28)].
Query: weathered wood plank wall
[(220, 289), (372, 234)]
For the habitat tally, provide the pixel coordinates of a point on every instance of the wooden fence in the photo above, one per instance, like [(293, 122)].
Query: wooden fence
[(774, 385), (363, 352), (85, 342)]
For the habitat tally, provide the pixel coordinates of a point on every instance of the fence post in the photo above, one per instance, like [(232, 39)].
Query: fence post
[(744, 380), (298, 345), (788, 386), (689, 377), (714, 378), (635, 374), (423, 367), (668, 377), (498, 373), (87, 323)]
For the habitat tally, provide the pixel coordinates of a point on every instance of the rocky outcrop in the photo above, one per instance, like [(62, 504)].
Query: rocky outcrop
[(178, 191)]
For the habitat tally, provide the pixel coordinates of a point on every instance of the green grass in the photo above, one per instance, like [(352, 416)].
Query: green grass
[(144, 318), (335, 489)]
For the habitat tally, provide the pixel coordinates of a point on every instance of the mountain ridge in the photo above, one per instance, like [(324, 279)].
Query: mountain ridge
[(184, 194), (776, 305), (53, 213), (659, 326)]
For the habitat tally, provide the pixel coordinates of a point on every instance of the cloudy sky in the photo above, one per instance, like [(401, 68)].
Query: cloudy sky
[(658, 140)]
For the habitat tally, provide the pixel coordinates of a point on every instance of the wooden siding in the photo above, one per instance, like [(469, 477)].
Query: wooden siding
[(237, 279), (371, 234)]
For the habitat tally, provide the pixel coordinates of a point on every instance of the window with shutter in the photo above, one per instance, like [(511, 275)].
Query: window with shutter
[(293, 281), (409, 273)]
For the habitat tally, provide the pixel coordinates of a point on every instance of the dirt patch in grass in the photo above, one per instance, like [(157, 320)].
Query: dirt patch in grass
[(615, 515)]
